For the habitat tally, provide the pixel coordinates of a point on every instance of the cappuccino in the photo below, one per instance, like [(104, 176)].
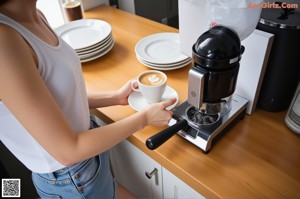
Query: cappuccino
[(151, 84), (152, 79)]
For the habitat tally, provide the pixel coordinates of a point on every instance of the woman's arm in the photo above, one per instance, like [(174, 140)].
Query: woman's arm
[(24, 93), (98, 99)]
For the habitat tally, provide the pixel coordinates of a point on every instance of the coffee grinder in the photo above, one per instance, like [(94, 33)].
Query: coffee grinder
[(211, 106)]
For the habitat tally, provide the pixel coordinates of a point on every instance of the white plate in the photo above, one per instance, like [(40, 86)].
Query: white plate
[(97, 50), (83, 33), (160, 48), (96, 46), (138, 103), (164, 67), (101, 53)]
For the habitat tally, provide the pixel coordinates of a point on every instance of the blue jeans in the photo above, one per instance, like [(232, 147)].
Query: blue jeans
[(87, 179)]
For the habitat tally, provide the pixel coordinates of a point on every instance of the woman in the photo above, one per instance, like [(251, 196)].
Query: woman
[(44, 109)]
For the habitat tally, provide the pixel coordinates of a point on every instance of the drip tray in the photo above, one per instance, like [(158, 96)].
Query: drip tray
[(203, 129)]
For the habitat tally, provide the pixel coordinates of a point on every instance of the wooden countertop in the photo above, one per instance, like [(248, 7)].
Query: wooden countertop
[(259, 156)]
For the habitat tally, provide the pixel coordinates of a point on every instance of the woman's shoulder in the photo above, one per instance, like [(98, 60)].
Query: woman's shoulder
[(12, 43), (9, 36)]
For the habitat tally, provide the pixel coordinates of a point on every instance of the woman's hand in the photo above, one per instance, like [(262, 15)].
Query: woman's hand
[(123, 93), (157, 114)]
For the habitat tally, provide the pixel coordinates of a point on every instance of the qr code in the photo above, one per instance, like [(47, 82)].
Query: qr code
[(11, 188)]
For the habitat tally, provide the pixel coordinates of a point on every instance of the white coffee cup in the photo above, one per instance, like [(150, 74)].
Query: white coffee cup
[(151, 84)]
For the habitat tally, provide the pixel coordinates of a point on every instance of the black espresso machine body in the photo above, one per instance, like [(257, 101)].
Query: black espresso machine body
[(216, 56), (211, 106)]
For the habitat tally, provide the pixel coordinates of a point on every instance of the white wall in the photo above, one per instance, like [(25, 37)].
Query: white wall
[(54, 13)]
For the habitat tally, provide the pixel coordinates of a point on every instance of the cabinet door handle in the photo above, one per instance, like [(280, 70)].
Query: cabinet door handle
[(152, 173)]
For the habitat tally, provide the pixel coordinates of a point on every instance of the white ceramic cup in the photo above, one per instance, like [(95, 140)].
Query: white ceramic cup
[(151, 84)]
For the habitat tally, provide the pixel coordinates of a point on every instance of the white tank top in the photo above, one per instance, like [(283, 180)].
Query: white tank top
[(60, 68)]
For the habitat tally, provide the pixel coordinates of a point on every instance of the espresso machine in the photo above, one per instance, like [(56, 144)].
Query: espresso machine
[(211, 107)]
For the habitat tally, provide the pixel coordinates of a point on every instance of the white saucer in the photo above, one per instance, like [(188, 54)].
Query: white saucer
[(138, 103)]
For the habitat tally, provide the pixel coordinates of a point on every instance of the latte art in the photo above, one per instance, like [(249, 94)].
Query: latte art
[(152, 79)]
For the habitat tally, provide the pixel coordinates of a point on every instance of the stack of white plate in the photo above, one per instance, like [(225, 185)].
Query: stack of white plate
[(161, 51), (90, 38)]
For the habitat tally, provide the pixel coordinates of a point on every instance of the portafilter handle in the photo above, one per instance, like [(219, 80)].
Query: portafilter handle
[(161, 137)]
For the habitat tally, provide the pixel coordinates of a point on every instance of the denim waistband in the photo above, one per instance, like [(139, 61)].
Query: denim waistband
[(93, 122), (71, 168)]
